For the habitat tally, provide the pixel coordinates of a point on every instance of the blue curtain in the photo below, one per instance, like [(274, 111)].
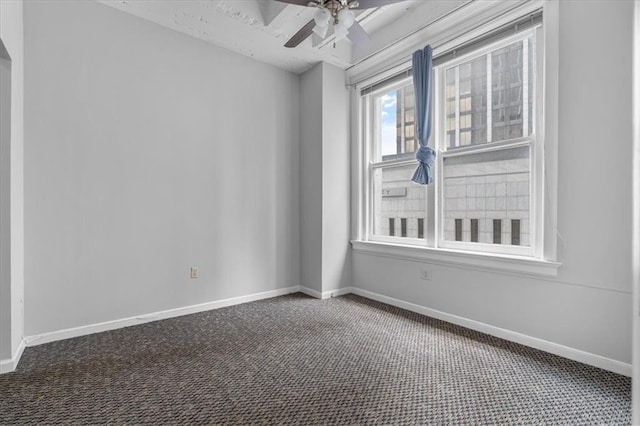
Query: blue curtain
[(422, 83)]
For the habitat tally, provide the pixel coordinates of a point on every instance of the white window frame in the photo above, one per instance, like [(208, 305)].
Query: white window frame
[(472, 20), (531, 141)]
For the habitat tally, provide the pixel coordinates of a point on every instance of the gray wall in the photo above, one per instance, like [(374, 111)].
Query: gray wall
[(148, 152), (636, 215), (5, 204), (588, 306), (324, 179), (11, 33), (311, 178), (336, 258)]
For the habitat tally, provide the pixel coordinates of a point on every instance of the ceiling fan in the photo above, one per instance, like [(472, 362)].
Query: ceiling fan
[(338, 14)]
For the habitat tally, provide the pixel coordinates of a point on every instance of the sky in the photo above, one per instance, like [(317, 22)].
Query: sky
[(389, 105)]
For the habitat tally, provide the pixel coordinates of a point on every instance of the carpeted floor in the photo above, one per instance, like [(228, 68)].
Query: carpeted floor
[(299, 360)]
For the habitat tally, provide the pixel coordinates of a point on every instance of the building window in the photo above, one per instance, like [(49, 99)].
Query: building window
[(458, 229), (487, 137), (515, 232), (497, 231), (474, 230)]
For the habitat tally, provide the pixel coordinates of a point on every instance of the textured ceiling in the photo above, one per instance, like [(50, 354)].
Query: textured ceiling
[(259, 28)]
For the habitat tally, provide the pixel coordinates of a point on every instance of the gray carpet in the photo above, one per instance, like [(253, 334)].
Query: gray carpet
[(298, 360)]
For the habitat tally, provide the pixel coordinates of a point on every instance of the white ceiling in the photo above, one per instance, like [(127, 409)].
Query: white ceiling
[(260, 28)]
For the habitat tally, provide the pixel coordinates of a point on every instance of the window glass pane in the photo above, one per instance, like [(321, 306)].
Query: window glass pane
[(467, 90), (398, 201), (487, 186), (385, 120), (394, 123), (507, 92), (473, 102)]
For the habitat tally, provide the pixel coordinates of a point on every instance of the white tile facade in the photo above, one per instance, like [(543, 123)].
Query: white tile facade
[(412, 206), (484, 191)]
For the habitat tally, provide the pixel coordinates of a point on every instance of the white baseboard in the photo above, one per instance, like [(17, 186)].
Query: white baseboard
[(325, 294), (9, 365), (171, 313), (512, 336)]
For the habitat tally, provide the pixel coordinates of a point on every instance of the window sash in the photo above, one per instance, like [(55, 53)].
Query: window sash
[(371, 125), (487, 52), (444, 151), (397, 238), (478, 246)]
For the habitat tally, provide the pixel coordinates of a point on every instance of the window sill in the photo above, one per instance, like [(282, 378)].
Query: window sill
[(478, 261)]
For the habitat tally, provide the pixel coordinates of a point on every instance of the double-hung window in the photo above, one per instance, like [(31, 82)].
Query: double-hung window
[(487, 195)]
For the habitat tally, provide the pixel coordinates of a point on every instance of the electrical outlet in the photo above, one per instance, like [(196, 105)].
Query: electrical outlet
[(194, 273), (425, 274)]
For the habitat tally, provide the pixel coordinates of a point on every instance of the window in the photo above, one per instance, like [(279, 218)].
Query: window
[(458, 229), (515, 232), (487, 192), (487, 109), (497, 231), (474, 230)]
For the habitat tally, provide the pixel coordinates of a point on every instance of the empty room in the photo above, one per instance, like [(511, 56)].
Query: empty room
[(320, 212)]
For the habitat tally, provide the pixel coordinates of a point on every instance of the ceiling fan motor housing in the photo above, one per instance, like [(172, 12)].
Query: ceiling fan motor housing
[(334, 6)]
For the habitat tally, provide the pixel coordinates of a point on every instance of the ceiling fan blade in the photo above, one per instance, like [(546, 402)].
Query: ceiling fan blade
[(301, 35), (358, 35), (368, 4)]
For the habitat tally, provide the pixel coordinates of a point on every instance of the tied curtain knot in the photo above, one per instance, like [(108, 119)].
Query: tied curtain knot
[(426, 158)]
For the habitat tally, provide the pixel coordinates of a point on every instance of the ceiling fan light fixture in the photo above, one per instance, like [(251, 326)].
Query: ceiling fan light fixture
[(346, 17), (322, 17), (340, 31), (321, 31), (336, 15)]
